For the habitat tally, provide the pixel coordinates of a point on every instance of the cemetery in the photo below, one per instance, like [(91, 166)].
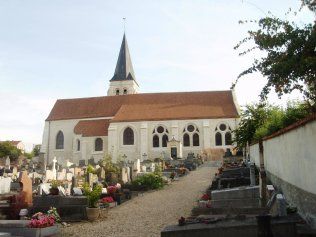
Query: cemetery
[(38, 202), (240, 200)]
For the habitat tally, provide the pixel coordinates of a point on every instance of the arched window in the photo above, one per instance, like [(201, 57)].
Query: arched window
[(186, 140), (117, 92), (78, 145), (155, 141), (218, 139), (196, 139), (128, 136), (98, 144), (223, 135), (228, 138), (160, 136), (191, 132), (60, 140), (165, 140), (125, 92)]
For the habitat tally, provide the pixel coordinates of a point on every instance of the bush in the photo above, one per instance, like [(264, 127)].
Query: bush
[(151, 181), (93, 195)]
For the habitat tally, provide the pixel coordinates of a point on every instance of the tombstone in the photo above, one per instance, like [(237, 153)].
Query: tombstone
[(91, 162), (49, 175), (252, 174), (82, 163), (5, 184), (128, 169), (15, 170), (43, 189), (77, 192), (143, 168), (93, 178), (281, 205), (62, 191), (54, 169), (69, 176), (7, 162), (27, 187), (125, 178), (137, 167), (102, 174), (152, 167), (228, 153)]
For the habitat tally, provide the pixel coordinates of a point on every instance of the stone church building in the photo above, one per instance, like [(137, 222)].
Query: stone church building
[(130, 125)]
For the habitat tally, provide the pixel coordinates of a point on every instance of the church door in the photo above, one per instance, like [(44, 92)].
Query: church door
[(174, 154)]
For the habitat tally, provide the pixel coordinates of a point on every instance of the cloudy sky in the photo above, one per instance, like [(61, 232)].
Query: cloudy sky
[(68, 49)]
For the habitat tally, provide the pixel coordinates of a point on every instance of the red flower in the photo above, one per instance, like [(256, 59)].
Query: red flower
[(205, 197)]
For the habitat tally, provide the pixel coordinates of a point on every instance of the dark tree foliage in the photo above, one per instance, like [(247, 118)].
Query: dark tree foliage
[(7, 149), (290, 56), (252, 117), (261, 120)]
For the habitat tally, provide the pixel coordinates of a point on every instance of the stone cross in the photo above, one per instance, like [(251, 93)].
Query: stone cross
[(54, 168)]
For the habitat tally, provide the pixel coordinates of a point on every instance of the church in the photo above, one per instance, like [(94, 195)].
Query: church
[(130, 125)]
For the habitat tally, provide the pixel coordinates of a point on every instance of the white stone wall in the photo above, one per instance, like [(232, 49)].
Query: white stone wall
[(143, 132), (113, 144), (129, 85), (70, 143), (291, 157)]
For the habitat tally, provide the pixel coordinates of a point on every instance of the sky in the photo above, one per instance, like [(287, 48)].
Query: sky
[(68, 49)]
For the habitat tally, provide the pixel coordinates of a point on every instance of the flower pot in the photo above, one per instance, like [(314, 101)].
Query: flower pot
[(53, 191), (93, 213)]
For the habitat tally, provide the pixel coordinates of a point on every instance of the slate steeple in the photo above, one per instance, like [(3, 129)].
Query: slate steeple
[(124, 68), (123, 81)]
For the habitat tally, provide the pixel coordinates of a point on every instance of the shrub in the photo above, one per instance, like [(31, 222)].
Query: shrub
[(151, 180), (93, 195)]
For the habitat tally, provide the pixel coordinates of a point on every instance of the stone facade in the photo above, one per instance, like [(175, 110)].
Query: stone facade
[(143, 139)]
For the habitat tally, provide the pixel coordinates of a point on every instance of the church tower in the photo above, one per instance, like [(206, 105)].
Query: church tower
[(123, 82)]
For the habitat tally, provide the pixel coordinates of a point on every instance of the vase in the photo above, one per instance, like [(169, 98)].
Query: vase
[(93, 213), (53, 191)]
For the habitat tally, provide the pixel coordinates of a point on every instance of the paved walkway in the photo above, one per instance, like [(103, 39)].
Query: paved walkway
[(147, 215)]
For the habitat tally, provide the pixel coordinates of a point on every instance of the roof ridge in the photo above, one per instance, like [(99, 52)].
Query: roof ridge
[(146, 93)]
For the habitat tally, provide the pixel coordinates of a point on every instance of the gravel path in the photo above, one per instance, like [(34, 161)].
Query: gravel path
[(147, 215)]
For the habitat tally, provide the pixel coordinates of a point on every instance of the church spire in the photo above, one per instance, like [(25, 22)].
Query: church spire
[(124, 68)]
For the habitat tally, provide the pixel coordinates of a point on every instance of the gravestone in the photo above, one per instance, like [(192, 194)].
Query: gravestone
[(77, 192), (102, 175), (281, 205), (137, 165), (125, 176), (7, 162), (69, 176), (27, 187), (252, 174), (5, 184), (82, 163), (143, 168), (93, 178), (91, 162)]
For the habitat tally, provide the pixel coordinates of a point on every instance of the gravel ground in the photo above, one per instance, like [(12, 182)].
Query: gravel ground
[(147, 215)]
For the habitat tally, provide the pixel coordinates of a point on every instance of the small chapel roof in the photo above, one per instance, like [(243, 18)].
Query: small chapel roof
[(124, 67), (148, 107), (88, 128)]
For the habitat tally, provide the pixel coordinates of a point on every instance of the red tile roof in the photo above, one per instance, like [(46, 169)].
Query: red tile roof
[(92, 128), (148, 106)]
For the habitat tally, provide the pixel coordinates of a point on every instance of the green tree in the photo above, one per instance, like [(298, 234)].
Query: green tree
[(252, 117), (7, 149), (290, 56)]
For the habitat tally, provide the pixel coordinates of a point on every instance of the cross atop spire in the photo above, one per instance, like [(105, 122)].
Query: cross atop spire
[(124, 68)]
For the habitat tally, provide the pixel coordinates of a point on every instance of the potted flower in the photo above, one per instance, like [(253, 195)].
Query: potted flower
[(54, 187), (44, 224), (93, 196)]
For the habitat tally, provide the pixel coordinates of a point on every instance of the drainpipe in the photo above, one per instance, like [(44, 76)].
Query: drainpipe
[(263, 176)]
